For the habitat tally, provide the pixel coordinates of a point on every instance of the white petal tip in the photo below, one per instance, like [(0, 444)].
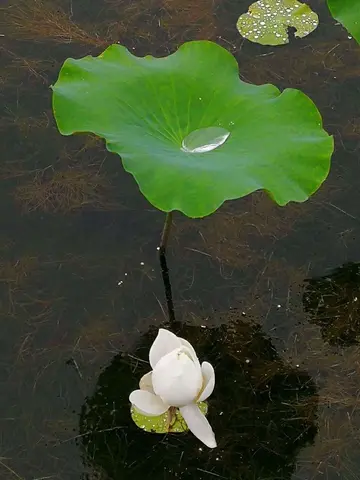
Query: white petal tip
[(199, 425), (212, 444), (164, 343)]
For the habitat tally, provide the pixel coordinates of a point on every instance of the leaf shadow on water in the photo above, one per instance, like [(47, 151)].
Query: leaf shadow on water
[(262, 411), (333, 303)]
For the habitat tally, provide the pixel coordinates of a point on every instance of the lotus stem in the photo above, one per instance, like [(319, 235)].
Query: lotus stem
[(164, 268), (166, 231)]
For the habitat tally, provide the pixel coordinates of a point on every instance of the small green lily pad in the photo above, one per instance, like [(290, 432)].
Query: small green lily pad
[(169, 422), (267, 21)]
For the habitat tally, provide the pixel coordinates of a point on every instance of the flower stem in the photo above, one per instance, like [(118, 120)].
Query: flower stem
[(166, 231), (164, 268)]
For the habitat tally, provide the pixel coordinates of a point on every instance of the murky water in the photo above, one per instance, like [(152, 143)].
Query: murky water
[(269, 295)]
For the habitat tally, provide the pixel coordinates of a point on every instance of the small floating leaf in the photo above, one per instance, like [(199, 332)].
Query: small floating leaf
[(169, 422), (267, 21), (347, 12)]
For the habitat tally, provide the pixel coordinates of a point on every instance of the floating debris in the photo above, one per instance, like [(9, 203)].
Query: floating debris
[(267, 21)]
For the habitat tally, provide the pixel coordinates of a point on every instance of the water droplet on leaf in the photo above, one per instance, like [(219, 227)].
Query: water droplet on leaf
[(276, 17), (205, 140)]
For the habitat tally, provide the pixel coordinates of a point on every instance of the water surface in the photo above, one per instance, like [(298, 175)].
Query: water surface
[(269, 295)]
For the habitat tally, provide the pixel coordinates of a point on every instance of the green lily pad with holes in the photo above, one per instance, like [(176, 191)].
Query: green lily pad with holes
[(169, 422), (192, 133), (267, 21), (347, 12)]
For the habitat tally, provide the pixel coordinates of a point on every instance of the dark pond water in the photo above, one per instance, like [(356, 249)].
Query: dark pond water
[(269, 295)]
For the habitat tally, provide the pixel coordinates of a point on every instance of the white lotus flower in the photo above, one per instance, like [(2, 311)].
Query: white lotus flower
[(176, 380)]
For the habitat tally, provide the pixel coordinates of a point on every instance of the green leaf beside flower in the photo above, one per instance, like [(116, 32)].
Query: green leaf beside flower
[(169, 422)]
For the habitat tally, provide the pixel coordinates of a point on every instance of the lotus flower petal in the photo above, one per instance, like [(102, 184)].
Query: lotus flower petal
[(164, 343), (176, 378), (147, 403), (208, 374), (146, 382), (188, 345), (198, 424)]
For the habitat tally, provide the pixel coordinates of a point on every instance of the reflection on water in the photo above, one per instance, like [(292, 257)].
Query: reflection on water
[(333, 303), (81, 285), (262, 412)]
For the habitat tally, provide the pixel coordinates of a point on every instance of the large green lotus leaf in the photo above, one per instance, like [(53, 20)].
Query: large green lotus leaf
[(347, 12), (158, 112), (267, 21)]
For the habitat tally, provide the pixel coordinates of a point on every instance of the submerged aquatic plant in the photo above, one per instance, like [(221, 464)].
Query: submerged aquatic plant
[(39, 20), (267, 22), (176, 384), (63, 191)]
